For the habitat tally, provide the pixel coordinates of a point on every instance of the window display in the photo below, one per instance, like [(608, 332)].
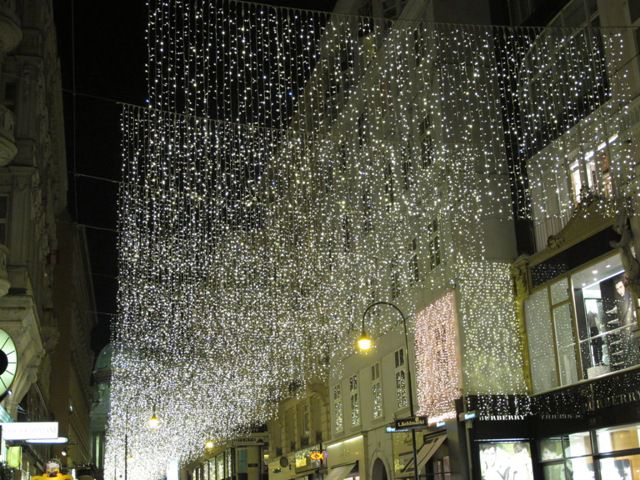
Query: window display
[(620, 439), (606, 318), (582, 326), (499, 460), (567, 457)]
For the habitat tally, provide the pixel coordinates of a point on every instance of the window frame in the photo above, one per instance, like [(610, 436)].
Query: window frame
[(574, 323)]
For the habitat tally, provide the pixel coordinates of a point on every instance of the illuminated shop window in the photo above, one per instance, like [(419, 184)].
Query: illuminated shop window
[(622, 447), (506, 460), (581, 326), (606, 318), (376, 390), (355, 400), (337, 408), (567, 456)]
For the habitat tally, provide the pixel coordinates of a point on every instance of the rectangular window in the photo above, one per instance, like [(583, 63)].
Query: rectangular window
[(415, 262), (433, 237), (506, 460), (407, 168), (376, 391), (581, 326), (388, 186), (418, 45), (567, 456), (399, 357), (362, 129), (606, 318), (426, 141), (367, 221), (355, 400), (544, 373), (401, 379), (337, 408), (589, 172)]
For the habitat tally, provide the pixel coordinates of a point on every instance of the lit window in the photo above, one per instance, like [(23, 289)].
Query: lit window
[(589, 172), (337, 408), (376, 390), (355, 401), (433, 237), (401, 379)]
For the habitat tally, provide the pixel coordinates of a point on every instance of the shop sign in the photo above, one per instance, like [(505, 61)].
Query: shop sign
[(416, 422), (29, 430), (316, 455)]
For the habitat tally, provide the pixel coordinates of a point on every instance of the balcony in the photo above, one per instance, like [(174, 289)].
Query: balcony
[(10, 31), (8, 147)]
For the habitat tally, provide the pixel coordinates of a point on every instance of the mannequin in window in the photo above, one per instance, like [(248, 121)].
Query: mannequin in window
[(626, 321), (624, 304), (596, 341)]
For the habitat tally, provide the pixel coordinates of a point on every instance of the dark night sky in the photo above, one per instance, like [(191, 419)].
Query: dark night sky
[(110, 54)]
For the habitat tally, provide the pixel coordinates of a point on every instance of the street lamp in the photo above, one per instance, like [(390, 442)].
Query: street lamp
[(154, 421), (365, 343), (154, 424)]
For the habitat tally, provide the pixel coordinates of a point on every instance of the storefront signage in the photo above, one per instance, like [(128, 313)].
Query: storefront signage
[(411, 422), (29, 430), (316, 455)]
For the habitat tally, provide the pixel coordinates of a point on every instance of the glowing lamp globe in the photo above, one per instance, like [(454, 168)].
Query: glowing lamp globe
[(364, 343), (154, 422)]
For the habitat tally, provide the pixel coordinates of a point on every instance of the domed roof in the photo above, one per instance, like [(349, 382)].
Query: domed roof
[(103, 362)]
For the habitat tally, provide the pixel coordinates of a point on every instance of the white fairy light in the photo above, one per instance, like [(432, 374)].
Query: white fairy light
[(292, 166)]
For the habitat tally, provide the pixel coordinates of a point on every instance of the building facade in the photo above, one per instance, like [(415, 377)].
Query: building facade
[(47, 304)]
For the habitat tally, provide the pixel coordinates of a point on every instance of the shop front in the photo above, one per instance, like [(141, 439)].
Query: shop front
[(346, 459), (578, 311)]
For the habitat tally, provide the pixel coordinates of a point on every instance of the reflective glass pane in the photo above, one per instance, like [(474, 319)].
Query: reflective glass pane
[(559, 291), (605, 318), (539, 335), (577, 445), (554, 472), (565, 344), (620, 468), (551, 449), (580, 469), (619, 438)]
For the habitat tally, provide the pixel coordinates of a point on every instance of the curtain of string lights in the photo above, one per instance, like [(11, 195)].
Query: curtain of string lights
[(291, 166)]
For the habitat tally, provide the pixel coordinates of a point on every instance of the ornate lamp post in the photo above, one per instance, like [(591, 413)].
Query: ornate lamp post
[(364, 343)]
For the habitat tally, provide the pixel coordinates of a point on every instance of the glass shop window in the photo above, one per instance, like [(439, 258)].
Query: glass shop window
[(567, 457), (619, 439), (606, 318), (552, 347)]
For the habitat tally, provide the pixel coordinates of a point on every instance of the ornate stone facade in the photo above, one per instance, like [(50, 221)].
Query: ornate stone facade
[(46, 294)]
